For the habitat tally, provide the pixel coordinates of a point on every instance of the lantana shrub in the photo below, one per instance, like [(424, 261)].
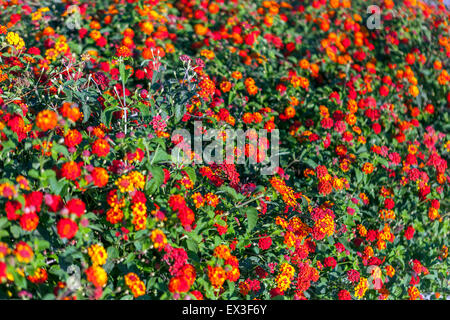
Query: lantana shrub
[(93, 95)]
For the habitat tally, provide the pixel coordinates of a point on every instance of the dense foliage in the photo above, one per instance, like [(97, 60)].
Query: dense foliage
[(92, 205)]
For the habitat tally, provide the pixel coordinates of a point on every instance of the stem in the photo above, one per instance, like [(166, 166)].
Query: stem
[(154, 154), (124, 105), (249, 201)]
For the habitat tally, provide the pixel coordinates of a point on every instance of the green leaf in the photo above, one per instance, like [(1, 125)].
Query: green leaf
[(179, 111), (310, 163), (34, 174), (60, 149), (129, 260), (8, 145), (383, 162), (86, 112), (16, 231), (20, 281), (232, 192), (358, 176), (42, 244), (191, 173), (112, 252), (156, 180), (252, 217), (56, 185), (192, 245), (156, 76), (106, 115), (144, 109), (159, 156), (3, 222), (122, 73)]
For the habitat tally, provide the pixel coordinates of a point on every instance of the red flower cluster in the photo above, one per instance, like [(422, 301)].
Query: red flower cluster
[(324, 223), (185, 214)]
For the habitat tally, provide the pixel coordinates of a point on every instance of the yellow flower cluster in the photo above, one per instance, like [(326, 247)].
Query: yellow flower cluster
[(37, 15), (15, 40), (130, 182), (98, 254), (139, 212), (387, 214), (208, 54), (138, 179), (326, 225), (61, 47), (283, 280), (361, 288)]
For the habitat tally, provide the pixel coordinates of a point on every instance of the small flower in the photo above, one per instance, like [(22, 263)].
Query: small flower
[(185, 58), (46, 120)]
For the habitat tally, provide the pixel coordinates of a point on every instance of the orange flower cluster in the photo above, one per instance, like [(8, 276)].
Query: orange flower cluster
[(306, 275), (252, 89), (387, 214), (131, 182), (225, 86), (289, 197), (158, 238), (433, 211), (207, 88), (23, 252), (414, 293), (115, 214), (222, 252), (139, 213), (101, 147), (122, 52), (325, 185), (39, 276), (198, 199), (299, 82), (70, 111), (100, 177), (249, 118), (217, 275), (135, 284), (367, 168), (70, 170), (46, 120), (72, 138), (97, 276)]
